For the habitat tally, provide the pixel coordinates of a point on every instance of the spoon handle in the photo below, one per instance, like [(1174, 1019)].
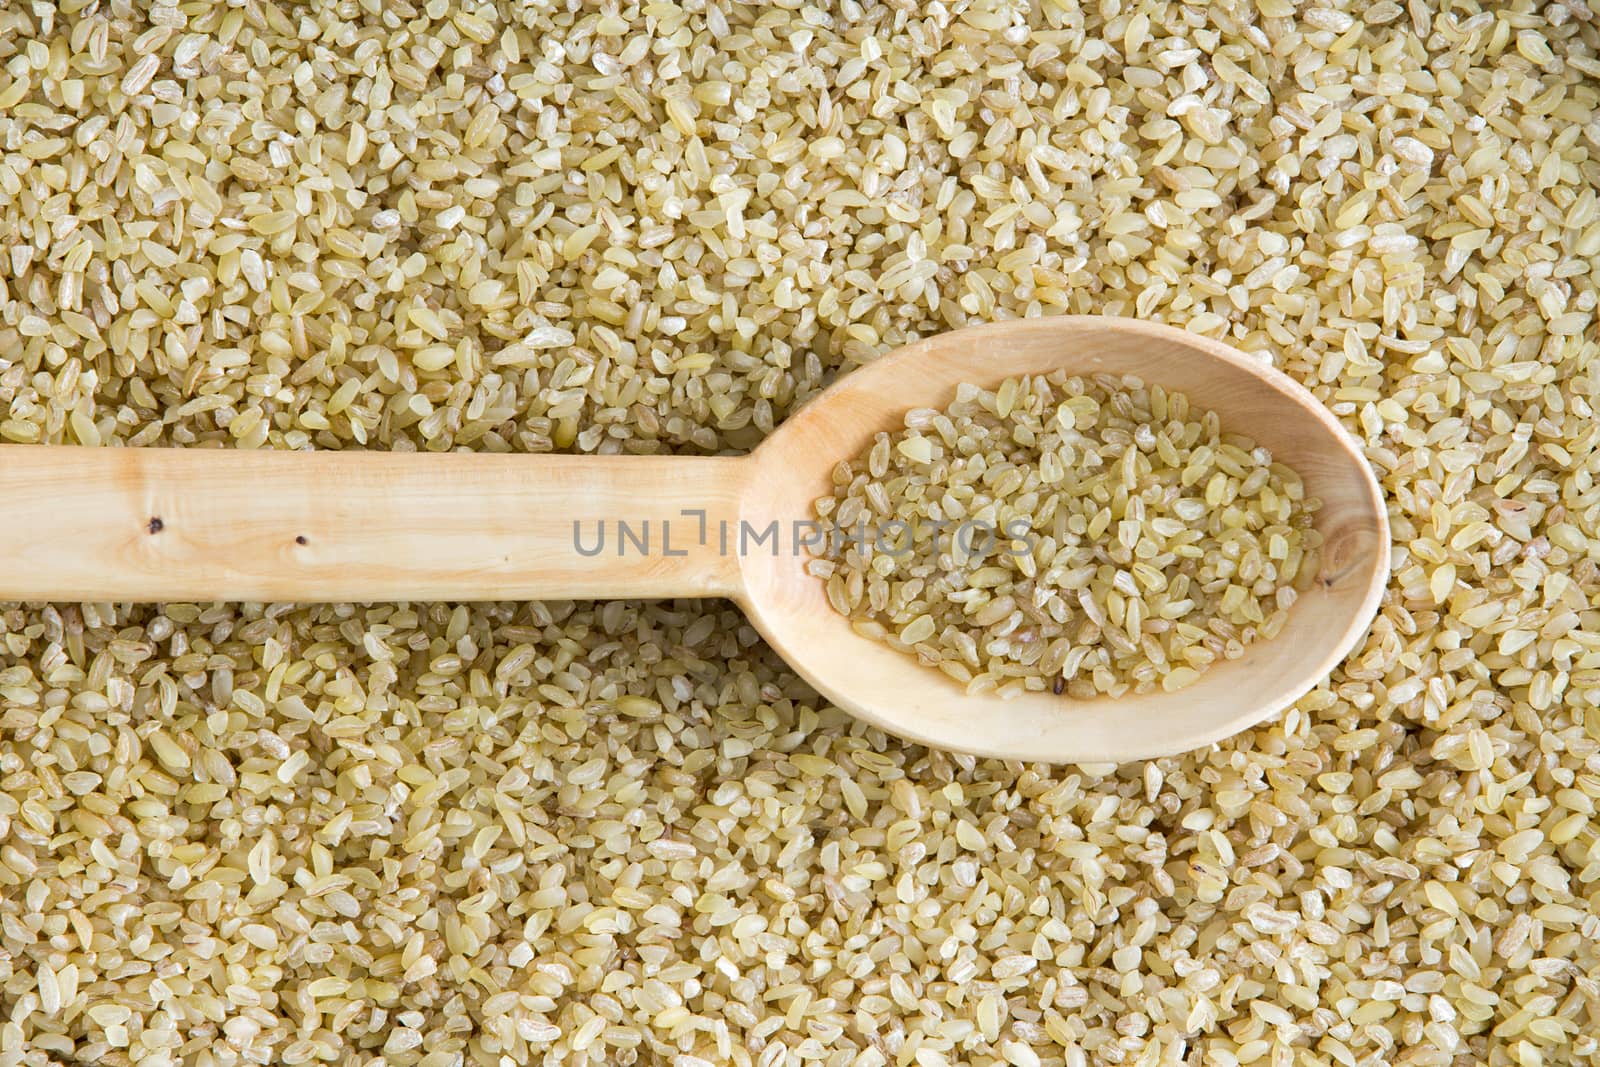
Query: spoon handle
[(173, 524)]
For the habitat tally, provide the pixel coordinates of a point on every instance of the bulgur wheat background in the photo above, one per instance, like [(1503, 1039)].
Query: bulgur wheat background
[(600, 834)]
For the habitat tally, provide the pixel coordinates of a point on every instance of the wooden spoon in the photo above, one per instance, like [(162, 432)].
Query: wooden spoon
[(105, 525)]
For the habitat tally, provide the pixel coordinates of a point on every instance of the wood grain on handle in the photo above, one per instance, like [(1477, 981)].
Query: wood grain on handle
[(167, 524)]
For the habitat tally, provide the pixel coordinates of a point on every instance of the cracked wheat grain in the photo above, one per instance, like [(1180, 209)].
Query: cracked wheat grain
[(1092, 535), (581, 834)]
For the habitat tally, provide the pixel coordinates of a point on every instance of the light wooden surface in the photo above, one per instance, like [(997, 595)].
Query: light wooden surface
[(177, 524), (104, 524)]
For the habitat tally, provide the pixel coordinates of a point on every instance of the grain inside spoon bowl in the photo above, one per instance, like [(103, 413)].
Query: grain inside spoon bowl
[(1090, 534)]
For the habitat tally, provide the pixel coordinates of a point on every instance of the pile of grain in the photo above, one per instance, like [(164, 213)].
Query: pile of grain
[(1093, 536), (584, 834)]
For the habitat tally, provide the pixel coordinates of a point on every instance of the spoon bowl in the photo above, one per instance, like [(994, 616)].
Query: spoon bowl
[(894, 691), (159, 524)]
